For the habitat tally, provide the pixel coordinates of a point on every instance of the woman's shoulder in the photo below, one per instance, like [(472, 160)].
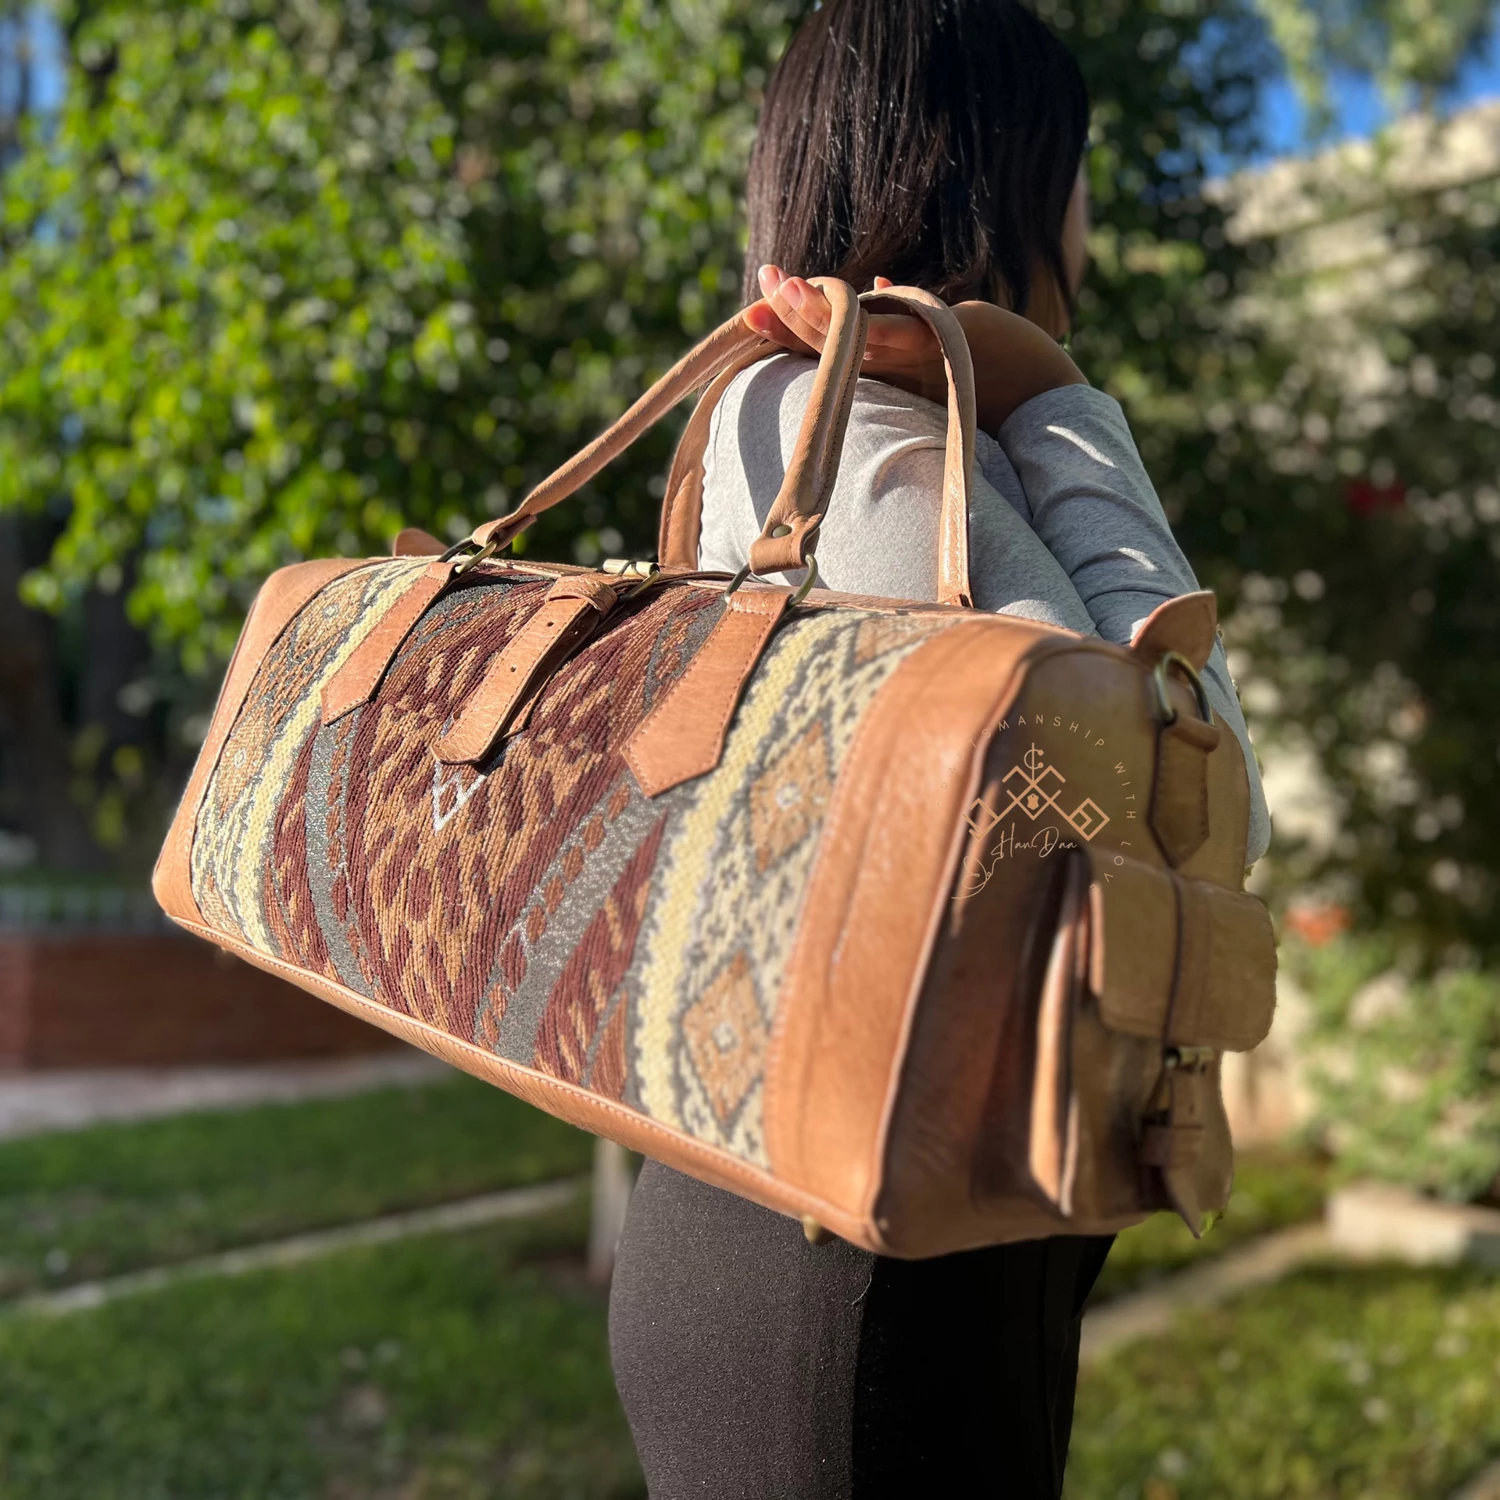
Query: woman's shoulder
[(777, 390)]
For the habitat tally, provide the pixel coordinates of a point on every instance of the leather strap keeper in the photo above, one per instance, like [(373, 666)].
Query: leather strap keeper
[(356, 682), (574, 607), (683, 735), (1218, 991)]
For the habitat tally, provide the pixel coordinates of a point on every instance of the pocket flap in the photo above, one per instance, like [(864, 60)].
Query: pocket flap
[(1185, 960)]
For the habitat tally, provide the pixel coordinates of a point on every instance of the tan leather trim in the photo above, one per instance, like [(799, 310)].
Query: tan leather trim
[(892, 831), (1179, 815), (683, 735), (1185, 624), (1053, 1156), (412, 541), (1204, 978), (359, 678), (682, 505), (281, 598), (569, 614)]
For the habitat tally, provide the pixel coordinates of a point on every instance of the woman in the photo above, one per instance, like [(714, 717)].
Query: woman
[(935, 143)]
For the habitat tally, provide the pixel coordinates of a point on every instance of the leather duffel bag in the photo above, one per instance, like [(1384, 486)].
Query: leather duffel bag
[(921, 924)]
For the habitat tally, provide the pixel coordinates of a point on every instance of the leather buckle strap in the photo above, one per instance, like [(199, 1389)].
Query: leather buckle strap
[(683, 735), (573, 609), (1178, 815), (355, 682)]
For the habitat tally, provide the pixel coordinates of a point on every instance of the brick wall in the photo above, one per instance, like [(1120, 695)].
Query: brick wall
[(101, 999)]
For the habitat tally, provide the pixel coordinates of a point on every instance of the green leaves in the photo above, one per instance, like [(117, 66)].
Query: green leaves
[(1405, 45)]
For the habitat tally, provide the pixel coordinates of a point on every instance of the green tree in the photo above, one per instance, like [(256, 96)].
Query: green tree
[(286, 274)]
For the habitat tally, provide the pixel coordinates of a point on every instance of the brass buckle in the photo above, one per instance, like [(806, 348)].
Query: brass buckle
[(1189, 1059), (630, 567), (479, 555), (803, 589), (1166, 711)]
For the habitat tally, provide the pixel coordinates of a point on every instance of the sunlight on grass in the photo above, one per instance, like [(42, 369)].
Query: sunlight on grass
[(465, 1368), (1337, 1384), (109, 1199)]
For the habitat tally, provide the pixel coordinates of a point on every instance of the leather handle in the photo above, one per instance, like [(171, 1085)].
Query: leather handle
[(730, 344), (682, 506), (788, 537), (958, 456)]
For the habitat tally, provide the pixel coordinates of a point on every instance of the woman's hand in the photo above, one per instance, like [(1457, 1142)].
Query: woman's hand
[(1014, 360)]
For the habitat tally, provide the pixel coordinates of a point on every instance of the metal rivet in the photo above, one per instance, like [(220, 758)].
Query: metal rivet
[(782, 530)]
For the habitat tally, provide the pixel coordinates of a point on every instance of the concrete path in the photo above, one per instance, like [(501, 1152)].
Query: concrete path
[(1149, 1313), (470, 1213), (36, 1103)]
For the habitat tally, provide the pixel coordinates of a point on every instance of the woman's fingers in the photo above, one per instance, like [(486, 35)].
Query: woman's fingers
[(895, 336), (797, 316), (762, 318), (799, 305)]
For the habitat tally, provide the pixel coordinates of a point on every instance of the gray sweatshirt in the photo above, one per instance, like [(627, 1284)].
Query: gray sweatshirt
[(1064, 524)]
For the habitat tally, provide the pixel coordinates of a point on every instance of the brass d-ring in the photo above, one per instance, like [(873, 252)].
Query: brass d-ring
[(487, 550), (804, 588), (1166, 710)]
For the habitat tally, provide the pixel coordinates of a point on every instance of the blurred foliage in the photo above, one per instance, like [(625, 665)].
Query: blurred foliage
[(1406, 1071), (290, 274), (1406, 45), (1352, 484), (285, 274), (1275, 1187)]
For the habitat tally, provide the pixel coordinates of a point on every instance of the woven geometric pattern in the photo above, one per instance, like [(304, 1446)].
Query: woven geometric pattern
[(540, 905)]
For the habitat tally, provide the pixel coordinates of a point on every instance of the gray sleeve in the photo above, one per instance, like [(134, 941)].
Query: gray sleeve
[(1096, 510), (880, 533)]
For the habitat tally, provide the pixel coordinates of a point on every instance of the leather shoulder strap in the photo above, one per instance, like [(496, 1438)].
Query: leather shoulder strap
[(804, 479), (958, 460), (682, 504), (789, 532)]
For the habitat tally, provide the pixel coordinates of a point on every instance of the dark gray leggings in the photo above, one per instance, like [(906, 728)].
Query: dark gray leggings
[(754, 1366)]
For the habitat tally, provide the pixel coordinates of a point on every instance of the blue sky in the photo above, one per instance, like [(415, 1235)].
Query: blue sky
[(1359, 108)]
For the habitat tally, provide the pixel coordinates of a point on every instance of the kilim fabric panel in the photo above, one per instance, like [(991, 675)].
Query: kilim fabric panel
[(539, 905)]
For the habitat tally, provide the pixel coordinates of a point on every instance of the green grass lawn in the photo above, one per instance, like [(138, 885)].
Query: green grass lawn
[(1273, 1188), (467, 1367), (475, 1366), (109, 1199), (1337, 1384)]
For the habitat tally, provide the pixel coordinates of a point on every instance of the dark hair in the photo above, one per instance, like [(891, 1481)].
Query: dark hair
[(932, 141)]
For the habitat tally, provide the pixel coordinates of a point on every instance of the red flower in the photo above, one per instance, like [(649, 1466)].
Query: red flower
[(1364, 497)]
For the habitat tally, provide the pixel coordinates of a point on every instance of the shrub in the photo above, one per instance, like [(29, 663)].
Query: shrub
[(1405, 1069)]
